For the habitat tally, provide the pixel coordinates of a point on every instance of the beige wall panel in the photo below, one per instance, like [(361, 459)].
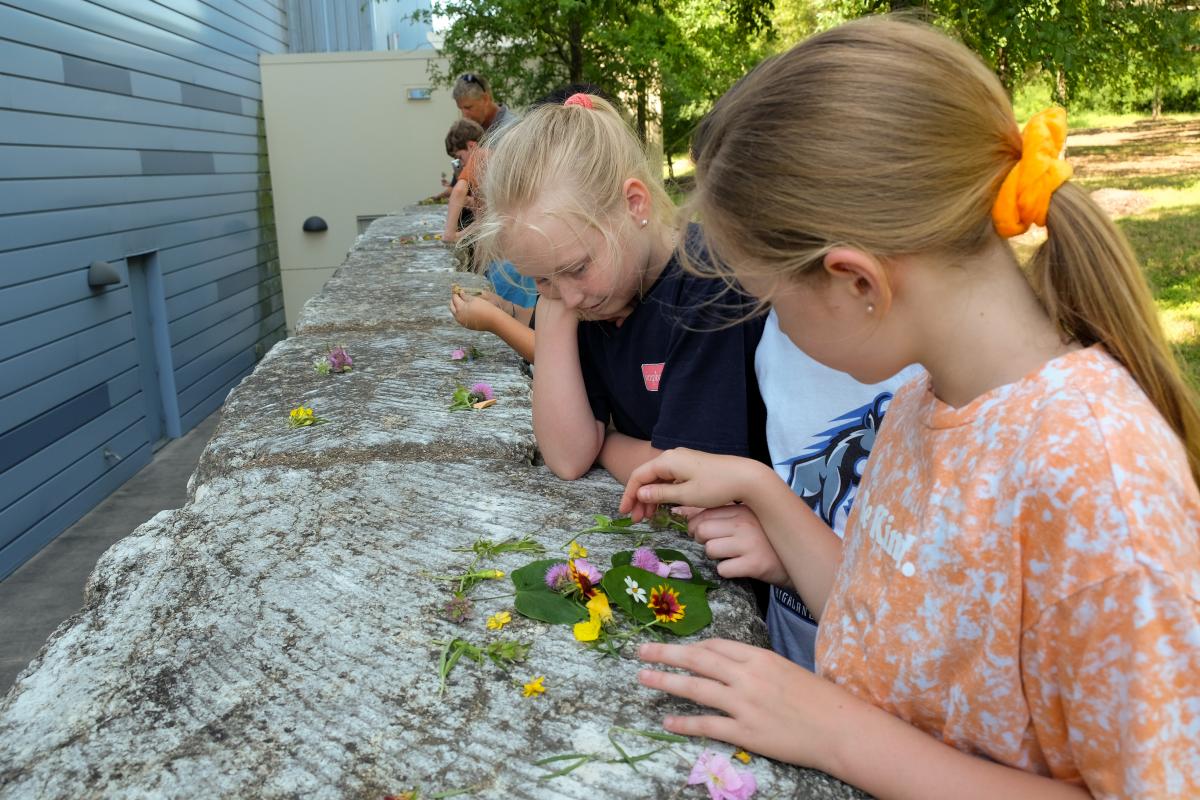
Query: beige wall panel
[(344, 142)]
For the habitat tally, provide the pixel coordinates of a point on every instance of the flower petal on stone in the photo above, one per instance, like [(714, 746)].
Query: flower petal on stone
[(535, 687), (499, 620)]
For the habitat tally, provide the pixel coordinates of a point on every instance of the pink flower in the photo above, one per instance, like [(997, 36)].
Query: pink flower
[(644, 558), (558, 577), (484, 390), (587, 570), (339, 360), (458, 354), (722, 780)]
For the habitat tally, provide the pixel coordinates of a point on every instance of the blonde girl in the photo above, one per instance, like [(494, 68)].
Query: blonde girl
[(632, 354), (1014, 612)]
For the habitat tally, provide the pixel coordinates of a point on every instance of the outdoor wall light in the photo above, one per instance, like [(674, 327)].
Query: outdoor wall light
[(315, 225), (420, 93), (102, 273)]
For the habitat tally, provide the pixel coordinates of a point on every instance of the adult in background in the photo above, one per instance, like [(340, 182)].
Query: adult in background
[(473, 95)]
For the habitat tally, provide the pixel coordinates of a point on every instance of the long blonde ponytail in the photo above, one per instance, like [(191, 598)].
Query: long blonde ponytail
[(1093, 288)]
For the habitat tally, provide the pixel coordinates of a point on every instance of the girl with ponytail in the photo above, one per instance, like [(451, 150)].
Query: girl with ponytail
[(1014, 609)]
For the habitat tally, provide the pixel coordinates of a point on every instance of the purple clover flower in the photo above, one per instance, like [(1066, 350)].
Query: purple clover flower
[(339, 360), (458, 355), (484, 390), (644, 558), (558, 577)]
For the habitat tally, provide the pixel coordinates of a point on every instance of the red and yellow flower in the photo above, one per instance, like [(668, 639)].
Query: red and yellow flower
[(664, 602)]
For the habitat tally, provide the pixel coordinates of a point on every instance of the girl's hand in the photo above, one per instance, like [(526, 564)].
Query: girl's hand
[(771, 706), (686, 477), (733, 536), (473, 312)]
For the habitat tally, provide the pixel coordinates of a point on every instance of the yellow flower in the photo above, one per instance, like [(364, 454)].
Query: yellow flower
[(599, 612), (496, 574), (588, 631), (499, 620), (599, 607), (301, 416), (742, 756), (577, 550), (535, 687)]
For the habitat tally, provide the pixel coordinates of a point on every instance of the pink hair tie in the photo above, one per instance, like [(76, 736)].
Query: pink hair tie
[(579, 99)]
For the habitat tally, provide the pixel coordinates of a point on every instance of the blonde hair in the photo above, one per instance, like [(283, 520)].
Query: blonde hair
[(582, 156), (887, 136)]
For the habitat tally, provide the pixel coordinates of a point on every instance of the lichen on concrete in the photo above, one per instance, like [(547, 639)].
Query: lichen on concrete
[(277, 636)]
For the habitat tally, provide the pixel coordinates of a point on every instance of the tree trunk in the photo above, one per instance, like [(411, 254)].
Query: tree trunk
[(575, 31), (1156, 108), (642, 109), (1060, 87)]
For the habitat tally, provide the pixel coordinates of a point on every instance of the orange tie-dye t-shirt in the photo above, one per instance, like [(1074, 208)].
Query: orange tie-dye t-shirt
[(1021, 579)]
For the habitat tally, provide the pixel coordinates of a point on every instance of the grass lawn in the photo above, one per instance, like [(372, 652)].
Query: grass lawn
[(1151, 174)]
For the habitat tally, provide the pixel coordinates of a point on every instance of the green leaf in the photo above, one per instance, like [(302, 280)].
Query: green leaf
[(547, 606), (697, 613), (533, 575)]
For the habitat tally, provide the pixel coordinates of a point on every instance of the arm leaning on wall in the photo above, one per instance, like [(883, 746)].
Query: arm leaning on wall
[(458, 201), (568, 434)]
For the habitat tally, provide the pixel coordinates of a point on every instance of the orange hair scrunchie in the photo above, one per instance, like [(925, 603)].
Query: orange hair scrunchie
[(1025, 194)]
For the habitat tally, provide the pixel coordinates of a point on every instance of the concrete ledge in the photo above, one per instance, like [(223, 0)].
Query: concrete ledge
[(275, 637)]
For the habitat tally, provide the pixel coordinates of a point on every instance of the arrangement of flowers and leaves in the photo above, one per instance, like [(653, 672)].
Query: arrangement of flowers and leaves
[(465, 354), (478, 397), (301, 417), (336, 361), (714, 770), (421, 237), (655, 589), (504, 653)]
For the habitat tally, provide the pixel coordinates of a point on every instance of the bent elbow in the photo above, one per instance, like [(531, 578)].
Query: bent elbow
[(568, 469)]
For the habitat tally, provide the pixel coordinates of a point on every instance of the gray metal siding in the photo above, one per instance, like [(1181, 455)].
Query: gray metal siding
[(127, 127)]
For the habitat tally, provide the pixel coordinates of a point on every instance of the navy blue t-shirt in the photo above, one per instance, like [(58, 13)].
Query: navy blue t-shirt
[(676, 373)]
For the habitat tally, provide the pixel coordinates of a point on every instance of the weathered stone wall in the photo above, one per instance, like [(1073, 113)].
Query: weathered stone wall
[(274, 637)]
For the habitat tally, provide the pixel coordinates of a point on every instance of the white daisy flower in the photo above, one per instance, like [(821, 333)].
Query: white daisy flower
[(633, 590)]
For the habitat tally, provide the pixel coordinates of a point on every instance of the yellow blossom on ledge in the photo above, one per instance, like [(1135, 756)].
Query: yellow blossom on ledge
[(499, 620), (577, 550), (742, 756), (301, 416), (535, 687)]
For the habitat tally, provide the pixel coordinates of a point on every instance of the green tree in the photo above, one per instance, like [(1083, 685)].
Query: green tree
[(1078, 44), (684, 52)]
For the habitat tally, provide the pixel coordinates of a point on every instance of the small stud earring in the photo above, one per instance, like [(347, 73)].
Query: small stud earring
[(645, 222), (870, 308)]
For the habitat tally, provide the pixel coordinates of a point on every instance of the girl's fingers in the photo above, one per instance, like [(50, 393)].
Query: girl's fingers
[(700, 659), (704, 691), (687, 512), (721, 547), (735, 651)]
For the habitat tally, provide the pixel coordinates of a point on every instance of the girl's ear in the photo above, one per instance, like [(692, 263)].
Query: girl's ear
[(637, 199), (862, 278)]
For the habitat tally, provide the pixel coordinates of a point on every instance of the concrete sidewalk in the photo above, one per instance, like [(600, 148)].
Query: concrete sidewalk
[(48, 588)]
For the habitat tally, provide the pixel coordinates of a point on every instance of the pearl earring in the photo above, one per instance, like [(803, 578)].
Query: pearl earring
[(870, 308), (645, 222)]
